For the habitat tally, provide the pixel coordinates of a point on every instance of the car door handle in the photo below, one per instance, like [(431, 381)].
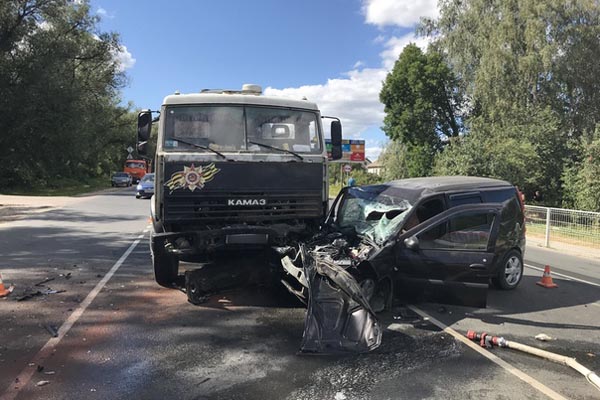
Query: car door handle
[(478, 267)]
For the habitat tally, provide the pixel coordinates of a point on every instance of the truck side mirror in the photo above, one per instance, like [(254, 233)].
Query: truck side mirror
[(143, 130), (336, 140)]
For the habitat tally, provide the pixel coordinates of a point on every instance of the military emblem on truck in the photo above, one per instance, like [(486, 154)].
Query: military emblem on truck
[(192, 177)]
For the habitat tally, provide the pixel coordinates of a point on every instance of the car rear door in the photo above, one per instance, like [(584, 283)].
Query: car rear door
[(449, 258)]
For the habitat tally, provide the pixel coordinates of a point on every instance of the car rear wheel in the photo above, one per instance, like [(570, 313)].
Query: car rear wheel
[(166, 268), (510, 272)]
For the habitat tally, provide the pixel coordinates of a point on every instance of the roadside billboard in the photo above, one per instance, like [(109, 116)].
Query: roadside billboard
[(352, 150)]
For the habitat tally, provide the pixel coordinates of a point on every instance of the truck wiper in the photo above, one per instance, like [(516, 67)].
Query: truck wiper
[(203, 147), (277, 148)]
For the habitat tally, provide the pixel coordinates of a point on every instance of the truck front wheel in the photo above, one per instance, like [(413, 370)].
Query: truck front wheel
[(166, 268)]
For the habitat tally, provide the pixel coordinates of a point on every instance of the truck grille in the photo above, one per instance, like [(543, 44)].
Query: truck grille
[(215, 207)]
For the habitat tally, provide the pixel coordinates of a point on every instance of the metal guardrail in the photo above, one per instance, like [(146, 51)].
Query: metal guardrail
[(562, 225)]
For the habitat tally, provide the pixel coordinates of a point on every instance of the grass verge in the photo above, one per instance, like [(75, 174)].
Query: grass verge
[(62, 187), (334, 189)]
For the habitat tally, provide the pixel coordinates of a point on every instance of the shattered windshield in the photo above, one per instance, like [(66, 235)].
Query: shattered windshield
[(372, 212)]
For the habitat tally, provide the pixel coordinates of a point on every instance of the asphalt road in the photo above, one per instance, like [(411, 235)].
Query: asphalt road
[(135, 339)]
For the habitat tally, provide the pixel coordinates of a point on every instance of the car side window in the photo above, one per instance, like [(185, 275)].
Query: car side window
[(467, 231), (464, 198)]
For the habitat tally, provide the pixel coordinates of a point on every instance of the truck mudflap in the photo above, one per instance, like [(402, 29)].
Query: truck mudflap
[(339, 318)]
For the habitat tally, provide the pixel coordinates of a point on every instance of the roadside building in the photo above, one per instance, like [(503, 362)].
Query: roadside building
[(375, 168)]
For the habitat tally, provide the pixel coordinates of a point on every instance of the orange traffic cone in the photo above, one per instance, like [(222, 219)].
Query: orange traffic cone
[(4, 291), (547, 279)]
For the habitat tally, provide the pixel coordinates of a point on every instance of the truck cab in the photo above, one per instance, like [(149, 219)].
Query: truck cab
[(136, 168), (234, 169)]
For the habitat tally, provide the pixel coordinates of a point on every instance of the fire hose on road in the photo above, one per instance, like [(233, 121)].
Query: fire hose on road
[(489, 341)]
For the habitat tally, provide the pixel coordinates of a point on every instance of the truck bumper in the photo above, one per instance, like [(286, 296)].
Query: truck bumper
[(202, 242)]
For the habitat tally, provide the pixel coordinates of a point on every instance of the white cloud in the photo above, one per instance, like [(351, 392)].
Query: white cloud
[(103, 13), (379, 39), (373, 152), (404, 13), (354, 97), (124, 58), (358, 64), (395, 45)]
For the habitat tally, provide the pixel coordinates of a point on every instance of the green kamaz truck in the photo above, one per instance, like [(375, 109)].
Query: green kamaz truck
[(234, 169)]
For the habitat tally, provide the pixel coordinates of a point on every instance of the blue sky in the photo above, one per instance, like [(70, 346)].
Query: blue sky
[(334, 52)]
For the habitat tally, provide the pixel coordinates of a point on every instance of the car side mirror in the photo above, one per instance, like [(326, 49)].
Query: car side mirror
[(336, 140), (412, 243)]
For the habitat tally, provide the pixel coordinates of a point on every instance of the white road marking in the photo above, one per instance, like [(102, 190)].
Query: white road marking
[(495, 359), (564, 276), (25, 376)]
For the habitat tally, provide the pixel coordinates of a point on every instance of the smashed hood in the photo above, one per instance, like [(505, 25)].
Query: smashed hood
[(339, 317)]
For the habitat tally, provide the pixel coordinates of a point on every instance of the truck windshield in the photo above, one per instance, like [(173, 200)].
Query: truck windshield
[(135, 164), (239, 128)]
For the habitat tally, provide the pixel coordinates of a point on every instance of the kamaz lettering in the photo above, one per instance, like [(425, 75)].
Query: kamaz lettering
[(254, 202)]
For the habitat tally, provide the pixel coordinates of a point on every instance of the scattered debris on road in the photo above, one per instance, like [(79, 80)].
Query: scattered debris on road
[(51, 330), (37, 293), (42, 383), (340, 396), (543, 337), (29, 295), (52, 291), (44, 281)]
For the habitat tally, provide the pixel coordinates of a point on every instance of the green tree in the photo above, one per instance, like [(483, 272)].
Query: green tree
[(419, 98), (60, 81), (405, 160), (421, 107), (522, 150), (528, 72), (582, 186)]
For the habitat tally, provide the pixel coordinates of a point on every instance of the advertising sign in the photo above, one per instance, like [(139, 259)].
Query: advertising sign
[(352, 150)]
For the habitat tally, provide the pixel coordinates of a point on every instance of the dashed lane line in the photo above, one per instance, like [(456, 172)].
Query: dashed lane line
[(564, 276), (493, 358), (26, 374)]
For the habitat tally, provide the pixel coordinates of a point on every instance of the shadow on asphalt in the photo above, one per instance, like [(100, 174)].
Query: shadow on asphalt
[(528, 298), (66, 245)]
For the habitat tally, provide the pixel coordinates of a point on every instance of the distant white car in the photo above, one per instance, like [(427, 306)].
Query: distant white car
[(121, 179)]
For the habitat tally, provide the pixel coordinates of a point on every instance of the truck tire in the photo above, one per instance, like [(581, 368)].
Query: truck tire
[(166, 268), (510, 271)]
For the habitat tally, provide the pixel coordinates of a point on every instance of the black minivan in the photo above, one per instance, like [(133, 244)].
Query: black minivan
[(439, 239), (446, 235)]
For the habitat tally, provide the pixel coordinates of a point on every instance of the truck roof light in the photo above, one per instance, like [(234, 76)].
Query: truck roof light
[(249, 88)]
